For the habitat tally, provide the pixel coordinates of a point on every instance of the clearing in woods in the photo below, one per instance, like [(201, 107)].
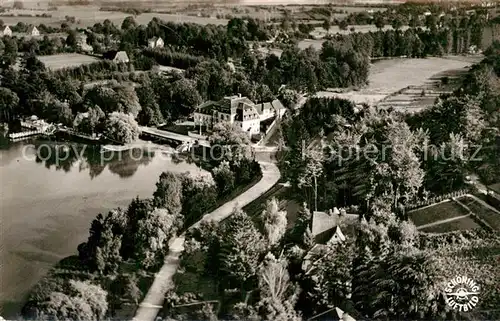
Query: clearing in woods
[(407, 84), (61, 61)]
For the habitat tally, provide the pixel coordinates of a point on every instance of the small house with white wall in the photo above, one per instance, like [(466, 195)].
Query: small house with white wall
[(5, 31), (156, 42), (33, 31), (326, 231)]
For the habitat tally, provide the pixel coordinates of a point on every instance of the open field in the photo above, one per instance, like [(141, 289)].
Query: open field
[(462, 224), (491, 217), (436, 213), (55, 62), (89, 15), (320, 32), (399, 82)]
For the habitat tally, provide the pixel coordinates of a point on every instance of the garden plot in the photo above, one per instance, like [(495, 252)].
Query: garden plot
[(491, 217), (56, 62), (462, 224), (438, 212)]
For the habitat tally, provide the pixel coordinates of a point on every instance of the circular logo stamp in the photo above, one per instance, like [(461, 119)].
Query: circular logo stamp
[(462, 293)]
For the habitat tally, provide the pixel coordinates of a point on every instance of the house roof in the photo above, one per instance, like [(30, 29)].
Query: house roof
[(31, 29), (343, 315), (324, 225), (5, 28), (207, 107), (113, 54), (246, 111), (262, 107), (277, 105), (337, 314), (155, 39), (121, 55), (229, 104), (323, 221)]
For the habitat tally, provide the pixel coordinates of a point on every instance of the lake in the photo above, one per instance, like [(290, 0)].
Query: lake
[(47, 203)]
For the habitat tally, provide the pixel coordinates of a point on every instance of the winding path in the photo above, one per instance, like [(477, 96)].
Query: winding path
[(153, 302)]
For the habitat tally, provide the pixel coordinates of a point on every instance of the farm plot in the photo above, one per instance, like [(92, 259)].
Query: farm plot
[(56, 62), (87, 16), (492, 218), (435, 213), (399, 82), (462, 224)]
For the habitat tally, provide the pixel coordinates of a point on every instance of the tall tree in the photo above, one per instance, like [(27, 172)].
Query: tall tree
[(313, 168), (168, 192), (153, 235), (8, 104), (277, 294), (122, 128), (241, 247), (275, 222)]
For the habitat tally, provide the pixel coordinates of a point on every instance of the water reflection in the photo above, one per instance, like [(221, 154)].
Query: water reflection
[(47, 202), (68, 156)]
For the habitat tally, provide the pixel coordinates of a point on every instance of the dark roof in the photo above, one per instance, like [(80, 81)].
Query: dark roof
[(324, 224), (229, 104), (323, 221), (261, 107), (246, 111), (326, 236), (277, 104), (207, 108), (112, 54)]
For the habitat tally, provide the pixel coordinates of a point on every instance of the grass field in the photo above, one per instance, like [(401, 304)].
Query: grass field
[(463, 224), (436, 213), (55, 62), (491, 217), (87, 16), (390, 83)]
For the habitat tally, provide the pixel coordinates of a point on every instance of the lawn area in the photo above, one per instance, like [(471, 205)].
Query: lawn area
[(55, 62), (495, 188), (462, 224), (491, 217), (388, 79), (436, 213)]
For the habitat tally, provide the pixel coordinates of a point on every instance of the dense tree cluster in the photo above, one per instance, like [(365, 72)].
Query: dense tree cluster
[(437, 148), (373, 275)]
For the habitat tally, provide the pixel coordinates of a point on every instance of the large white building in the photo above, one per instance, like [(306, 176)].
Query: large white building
[(237, 110)]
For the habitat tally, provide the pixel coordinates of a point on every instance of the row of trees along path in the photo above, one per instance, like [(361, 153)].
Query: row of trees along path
[(153, 301)]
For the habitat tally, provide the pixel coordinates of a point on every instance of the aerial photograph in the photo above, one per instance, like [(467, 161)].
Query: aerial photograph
[(274, 160)]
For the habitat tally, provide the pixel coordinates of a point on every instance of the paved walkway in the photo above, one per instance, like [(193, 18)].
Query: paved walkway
[(153, 302)]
